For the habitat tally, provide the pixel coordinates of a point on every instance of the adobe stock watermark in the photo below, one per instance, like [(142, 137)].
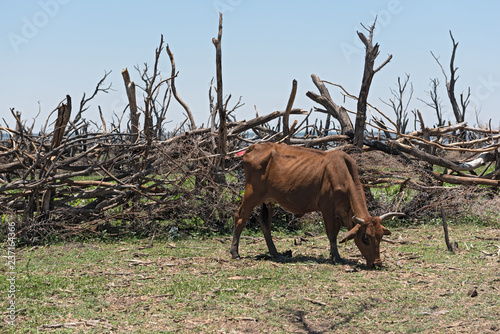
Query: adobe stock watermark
[(224, 6), (11, 274), (32, 25), (484, 90), (119, 104), (384, 18)]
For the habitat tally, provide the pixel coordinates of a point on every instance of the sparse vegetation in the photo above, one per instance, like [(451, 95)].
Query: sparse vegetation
[(191, 285)]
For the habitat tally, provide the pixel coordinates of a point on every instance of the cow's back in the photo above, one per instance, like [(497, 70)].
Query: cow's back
[(299, 179), (274, 159)]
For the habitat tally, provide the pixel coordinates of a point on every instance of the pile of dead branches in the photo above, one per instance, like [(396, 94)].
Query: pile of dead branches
[(77, 176)]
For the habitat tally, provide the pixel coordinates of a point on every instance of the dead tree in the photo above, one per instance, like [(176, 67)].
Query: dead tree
[(450, 85), (153, 84), (134, 115), (220, 96), (174, 90), (435, 101), (372, 51), (338, 112), (156, 91), (286, 117), (63, 115), (398, 104)]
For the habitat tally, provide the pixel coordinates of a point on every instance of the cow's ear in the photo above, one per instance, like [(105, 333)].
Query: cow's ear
[(386, 231), (351, 234)]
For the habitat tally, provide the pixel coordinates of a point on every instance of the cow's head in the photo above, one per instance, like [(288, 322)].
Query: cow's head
[(367, 235)]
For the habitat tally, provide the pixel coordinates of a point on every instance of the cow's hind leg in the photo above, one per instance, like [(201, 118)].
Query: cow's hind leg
[(265, 224), (240, 220)]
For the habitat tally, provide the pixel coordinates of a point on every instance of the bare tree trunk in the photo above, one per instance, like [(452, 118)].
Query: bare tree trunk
[(174, 90), (104, 129), (19, 125), (63, 115), (134, 116), (450, 85), (286, 117), (370, 56), (425, 133), (220, 96)]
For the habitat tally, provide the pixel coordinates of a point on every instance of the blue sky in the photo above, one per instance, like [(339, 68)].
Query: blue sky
[(51, 48)]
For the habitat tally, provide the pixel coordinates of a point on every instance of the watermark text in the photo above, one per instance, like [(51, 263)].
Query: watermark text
[(11, 273), (31, 25)]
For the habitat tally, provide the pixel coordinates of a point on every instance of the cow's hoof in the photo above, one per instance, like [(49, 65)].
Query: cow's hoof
[(338, 261), (282, 256)]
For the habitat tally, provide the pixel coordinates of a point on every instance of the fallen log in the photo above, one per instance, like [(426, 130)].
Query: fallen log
[(235, 128), (466, 180), (438, 131), (247, 125), (435, 160), (318, 141)]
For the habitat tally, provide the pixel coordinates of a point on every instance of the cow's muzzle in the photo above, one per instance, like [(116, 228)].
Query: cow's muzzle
[(377, 263)]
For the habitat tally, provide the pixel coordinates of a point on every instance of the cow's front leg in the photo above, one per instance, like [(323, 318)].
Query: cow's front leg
[(265, 223), (332, 226)]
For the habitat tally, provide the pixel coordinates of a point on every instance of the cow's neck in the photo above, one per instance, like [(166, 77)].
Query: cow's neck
[(358, 200)]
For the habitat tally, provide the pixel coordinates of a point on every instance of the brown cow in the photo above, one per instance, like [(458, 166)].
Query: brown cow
[(303, 180)]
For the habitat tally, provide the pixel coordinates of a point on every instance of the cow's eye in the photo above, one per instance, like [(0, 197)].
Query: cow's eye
[(365, 239)]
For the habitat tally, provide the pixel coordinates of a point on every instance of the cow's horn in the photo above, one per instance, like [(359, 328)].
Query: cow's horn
[(358, 220), (388, 215)]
